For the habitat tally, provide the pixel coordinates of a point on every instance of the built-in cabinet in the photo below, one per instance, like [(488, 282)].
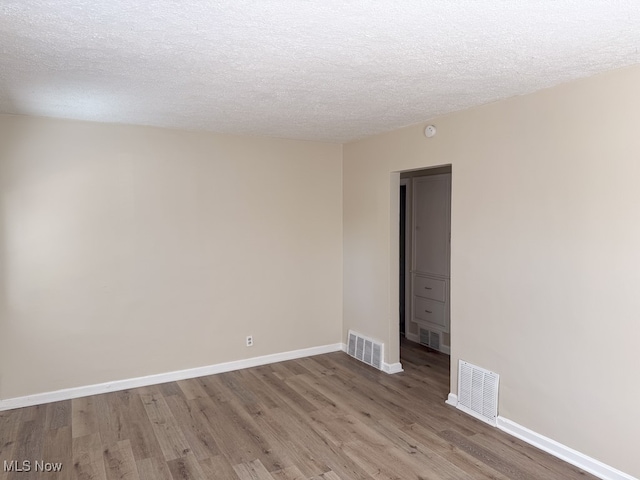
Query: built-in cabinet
[(430, 265)]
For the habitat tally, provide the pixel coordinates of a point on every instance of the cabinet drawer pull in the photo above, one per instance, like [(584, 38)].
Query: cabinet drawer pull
[(428, 311), (428, 288)]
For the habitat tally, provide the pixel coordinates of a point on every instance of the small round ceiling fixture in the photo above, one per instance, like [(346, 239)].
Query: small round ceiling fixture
[(430, 131)]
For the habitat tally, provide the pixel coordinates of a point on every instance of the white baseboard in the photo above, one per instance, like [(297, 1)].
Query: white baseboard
[(569, 455), (452, 399), (412, 337), (389, 368), (69, 393), (416, 339), (392, 368)]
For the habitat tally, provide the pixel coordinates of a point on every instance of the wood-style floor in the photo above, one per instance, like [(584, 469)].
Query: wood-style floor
[(326, 417)]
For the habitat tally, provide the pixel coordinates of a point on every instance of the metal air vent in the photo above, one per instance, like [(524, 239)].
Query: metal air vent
[(365, 349), (478, 392)]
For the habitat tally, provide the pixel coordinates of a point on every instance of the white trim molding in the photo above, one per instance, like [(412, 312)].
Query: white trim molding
[(389, 368), (569, 455), (76, 392), (412, 337), (452, 399), (392, 368)]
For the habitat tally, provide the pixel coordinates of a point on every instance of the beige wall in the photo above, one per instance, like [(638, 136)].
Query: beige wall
[(545, 253), (129, 251)]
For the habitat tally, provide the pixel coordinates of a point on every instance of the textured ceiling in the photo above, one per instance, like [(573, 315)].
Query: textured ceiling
[(316, 69)]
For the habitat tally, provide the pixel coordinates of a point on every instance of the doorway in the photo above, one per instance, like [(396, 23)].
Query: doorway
[(424, 258)]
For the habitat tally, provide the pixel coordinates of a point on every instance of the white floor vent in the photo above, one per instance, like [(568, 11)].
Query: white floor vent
[(478, 392), (430, 339), (365, 349)]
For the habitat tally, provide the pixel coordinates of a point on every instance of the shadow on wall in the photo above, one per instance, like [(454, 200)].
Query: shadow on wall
[(9, 140), (3, 268), (15, 135)]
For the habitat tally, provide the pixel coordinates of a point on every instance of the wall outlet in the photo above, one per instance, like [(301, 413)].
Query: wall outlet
[(250, 341)]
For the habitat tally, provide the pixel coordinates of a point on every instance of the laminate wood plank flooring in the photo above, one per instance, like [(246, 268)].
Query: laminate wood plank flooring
[(327, 417)]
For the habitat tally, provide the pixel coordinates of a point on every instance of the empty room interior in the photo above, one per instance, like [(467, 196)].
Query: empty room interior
[(319, 240)]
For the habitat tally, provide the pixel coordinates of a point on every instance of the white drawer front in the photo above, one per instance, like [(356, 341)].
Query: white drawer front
[(429, 311), (430, 288)]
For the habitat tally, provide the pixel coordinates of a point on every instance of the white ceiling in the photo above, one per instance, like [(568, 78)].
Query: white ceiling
[(331, 70)]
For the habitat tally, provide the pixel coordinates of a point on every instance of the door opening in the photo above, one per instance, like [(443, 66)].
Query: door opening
[(424, 257)]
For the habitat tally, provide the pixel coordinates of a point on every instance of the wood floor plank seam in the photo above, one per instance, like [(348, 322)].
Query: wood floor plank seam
[(327, 417)]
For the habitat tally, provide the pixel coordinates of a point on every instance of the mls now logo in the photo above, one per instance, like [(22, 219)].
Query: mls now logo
[(27, 466)]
